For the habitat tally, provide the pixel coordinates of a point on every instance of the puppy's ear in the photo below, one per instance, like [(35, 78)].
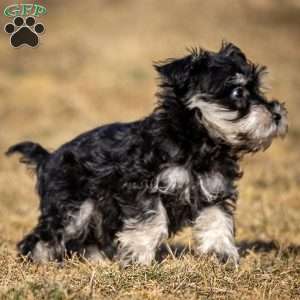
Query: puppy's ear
[(178, 72), (175, 71), (231, 50)]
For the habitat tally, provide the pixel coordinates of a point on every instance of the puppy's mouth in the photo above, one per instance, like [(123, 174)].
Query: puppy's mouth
[(263, 125)]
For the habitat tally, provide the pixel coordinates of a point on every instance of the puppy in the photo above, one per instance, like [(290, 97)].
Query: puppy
[(118, 191)]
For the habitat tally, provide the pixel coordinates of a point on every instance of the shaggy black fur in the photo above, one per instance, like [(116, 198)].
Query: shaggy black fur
[(117, 165)]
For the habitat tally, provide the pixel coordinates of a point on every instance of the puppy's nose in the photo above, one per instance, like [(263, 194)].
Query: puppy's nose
[(276, 117), (275, 109)]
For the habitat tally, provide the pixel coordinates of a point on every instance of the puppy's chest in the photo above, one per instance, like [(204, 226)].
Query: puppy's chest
[(189, 186), (215, 185)]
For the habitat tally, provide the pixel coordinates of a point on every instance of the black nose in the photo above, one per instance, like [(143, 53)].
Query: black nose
[(276, 117)]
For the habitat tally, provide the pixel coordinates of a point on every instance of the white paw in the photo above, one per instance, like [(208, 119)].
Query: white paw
[(128, 256), (214, 234), (42, 253), (224, 251), (94, 255)]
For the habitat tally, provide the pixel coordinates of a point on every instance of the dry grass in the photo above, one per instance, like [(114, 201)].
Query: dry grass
[(94, 66)]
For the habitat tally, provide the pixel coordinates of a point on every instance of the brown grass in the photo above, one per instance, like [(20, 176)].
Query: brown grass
[(94, 66)]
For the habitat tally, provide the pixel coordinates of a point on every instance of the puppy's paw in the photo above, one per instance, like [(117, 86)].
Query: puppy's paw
[(128, 257), (94, 255), (231, 256), (226, 253)]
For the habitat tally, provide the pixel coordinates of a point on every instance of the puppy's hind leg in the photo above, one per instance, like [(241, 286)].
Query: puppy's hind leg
[(141, 236), (66, 210), (98, 246), (47, 242)]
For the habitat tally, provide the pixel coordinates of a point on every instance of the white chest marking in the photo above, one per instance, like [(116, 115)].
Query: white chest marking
[(172, 179), (212, 185)]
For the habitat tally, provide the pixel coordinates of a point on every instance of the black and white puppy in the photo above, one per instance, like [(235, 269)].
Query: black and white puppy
[(119, 190)]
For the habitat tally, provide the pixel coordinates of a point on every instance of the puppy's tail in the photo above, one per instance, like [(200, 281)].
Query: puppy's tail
[(33, 154)]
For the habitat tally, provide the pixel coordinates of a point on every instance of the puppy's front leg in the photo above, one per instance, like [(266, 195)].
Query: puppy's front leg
[(214, 234), (141, 236)]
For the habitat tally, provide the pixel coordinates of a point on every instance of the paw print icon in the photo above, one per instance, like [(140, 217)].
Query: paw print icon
[(24, 32)]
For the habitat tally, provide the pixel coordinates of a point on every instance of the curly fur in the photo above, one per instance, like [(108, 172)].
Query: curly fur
[(122, 188)]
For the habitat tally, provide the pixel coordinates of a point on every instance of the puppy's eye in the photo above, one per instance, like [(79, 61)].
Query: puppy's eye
[(239, 93)]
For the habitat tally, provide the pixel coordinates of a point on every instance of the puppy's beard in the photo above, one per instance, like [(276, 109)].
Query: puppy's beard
[(254, 131)]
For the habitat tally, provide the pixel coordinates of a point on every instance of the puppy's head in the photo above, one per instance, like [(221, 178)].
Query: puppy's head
[(224, 90)]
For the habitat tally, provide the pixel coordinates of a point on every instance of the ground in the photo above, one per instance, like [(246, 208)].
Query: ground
[(93, 66)]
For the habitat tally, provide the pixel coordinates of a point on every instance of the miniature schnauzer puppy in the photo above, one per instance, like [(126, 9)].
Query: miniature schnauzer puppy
[(118, 191)]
